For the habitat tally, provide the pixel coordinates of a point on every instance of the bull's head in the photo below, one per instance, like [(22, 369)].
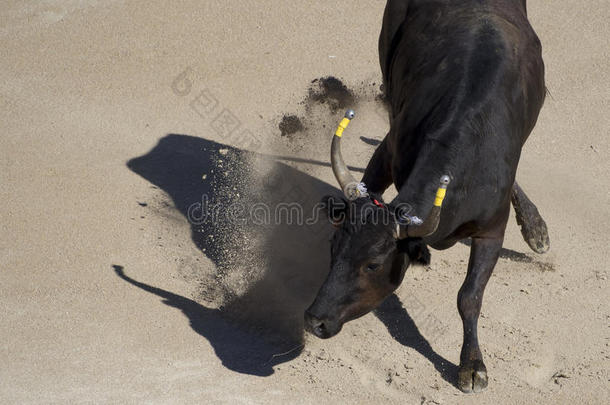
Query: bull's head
[(372, 247)]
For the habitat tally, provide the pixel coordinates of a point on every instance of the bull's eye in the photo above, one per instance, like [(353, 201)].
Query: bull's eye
[(372, 267)]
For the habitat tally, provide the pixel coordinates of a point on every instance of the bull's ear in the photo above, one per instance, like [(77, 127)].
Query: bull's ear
[(336, 209), (416, 249)]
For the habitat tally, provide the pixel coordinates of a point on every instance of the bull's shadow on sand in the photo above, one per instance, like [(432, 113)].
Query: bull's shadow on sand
[(262, 327), (404, 330), (238, 348)]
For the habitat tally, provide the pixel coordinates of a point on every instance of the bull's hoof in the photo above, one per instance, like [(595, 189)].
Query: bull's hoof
[(533, 227), (535, 233), (472, 377)]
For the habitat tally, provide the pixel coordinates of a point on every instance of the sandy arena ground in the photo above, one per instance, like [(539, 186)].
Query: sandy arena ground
[(113, 115)]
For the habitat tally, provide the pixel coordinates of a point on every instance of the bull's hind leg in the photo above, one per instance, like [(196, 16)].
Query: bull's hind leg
[(533, 227)]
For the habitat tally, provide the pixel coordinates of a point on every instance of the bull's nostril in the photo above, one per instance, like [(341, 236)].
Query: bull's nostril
[(314, 324)]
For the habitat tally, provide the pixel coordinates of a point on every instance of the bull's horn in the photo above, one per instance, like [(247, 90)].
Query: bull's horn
[(351, 188), (429, 226)]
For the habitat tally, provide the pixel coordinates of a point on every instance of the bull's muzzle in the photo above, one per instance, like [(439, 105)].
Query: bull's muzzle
[(323, 328)]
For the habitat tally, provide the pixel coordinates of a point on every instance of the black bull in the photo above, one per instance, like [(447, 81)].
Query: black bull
[(464, 84)]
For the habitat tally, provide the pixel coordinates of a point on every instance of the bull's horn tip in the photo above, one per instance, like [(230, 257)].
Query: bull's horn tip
[(350, 114)]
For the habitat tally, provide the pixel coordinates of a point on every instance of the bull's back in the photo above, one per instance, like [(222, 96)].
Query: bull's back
[(465, 83), (462, 52)]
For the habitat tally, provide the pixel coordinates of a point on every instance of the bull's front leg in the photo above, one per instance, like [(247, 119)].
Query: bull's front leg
[(378, 174), (484, 253)]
